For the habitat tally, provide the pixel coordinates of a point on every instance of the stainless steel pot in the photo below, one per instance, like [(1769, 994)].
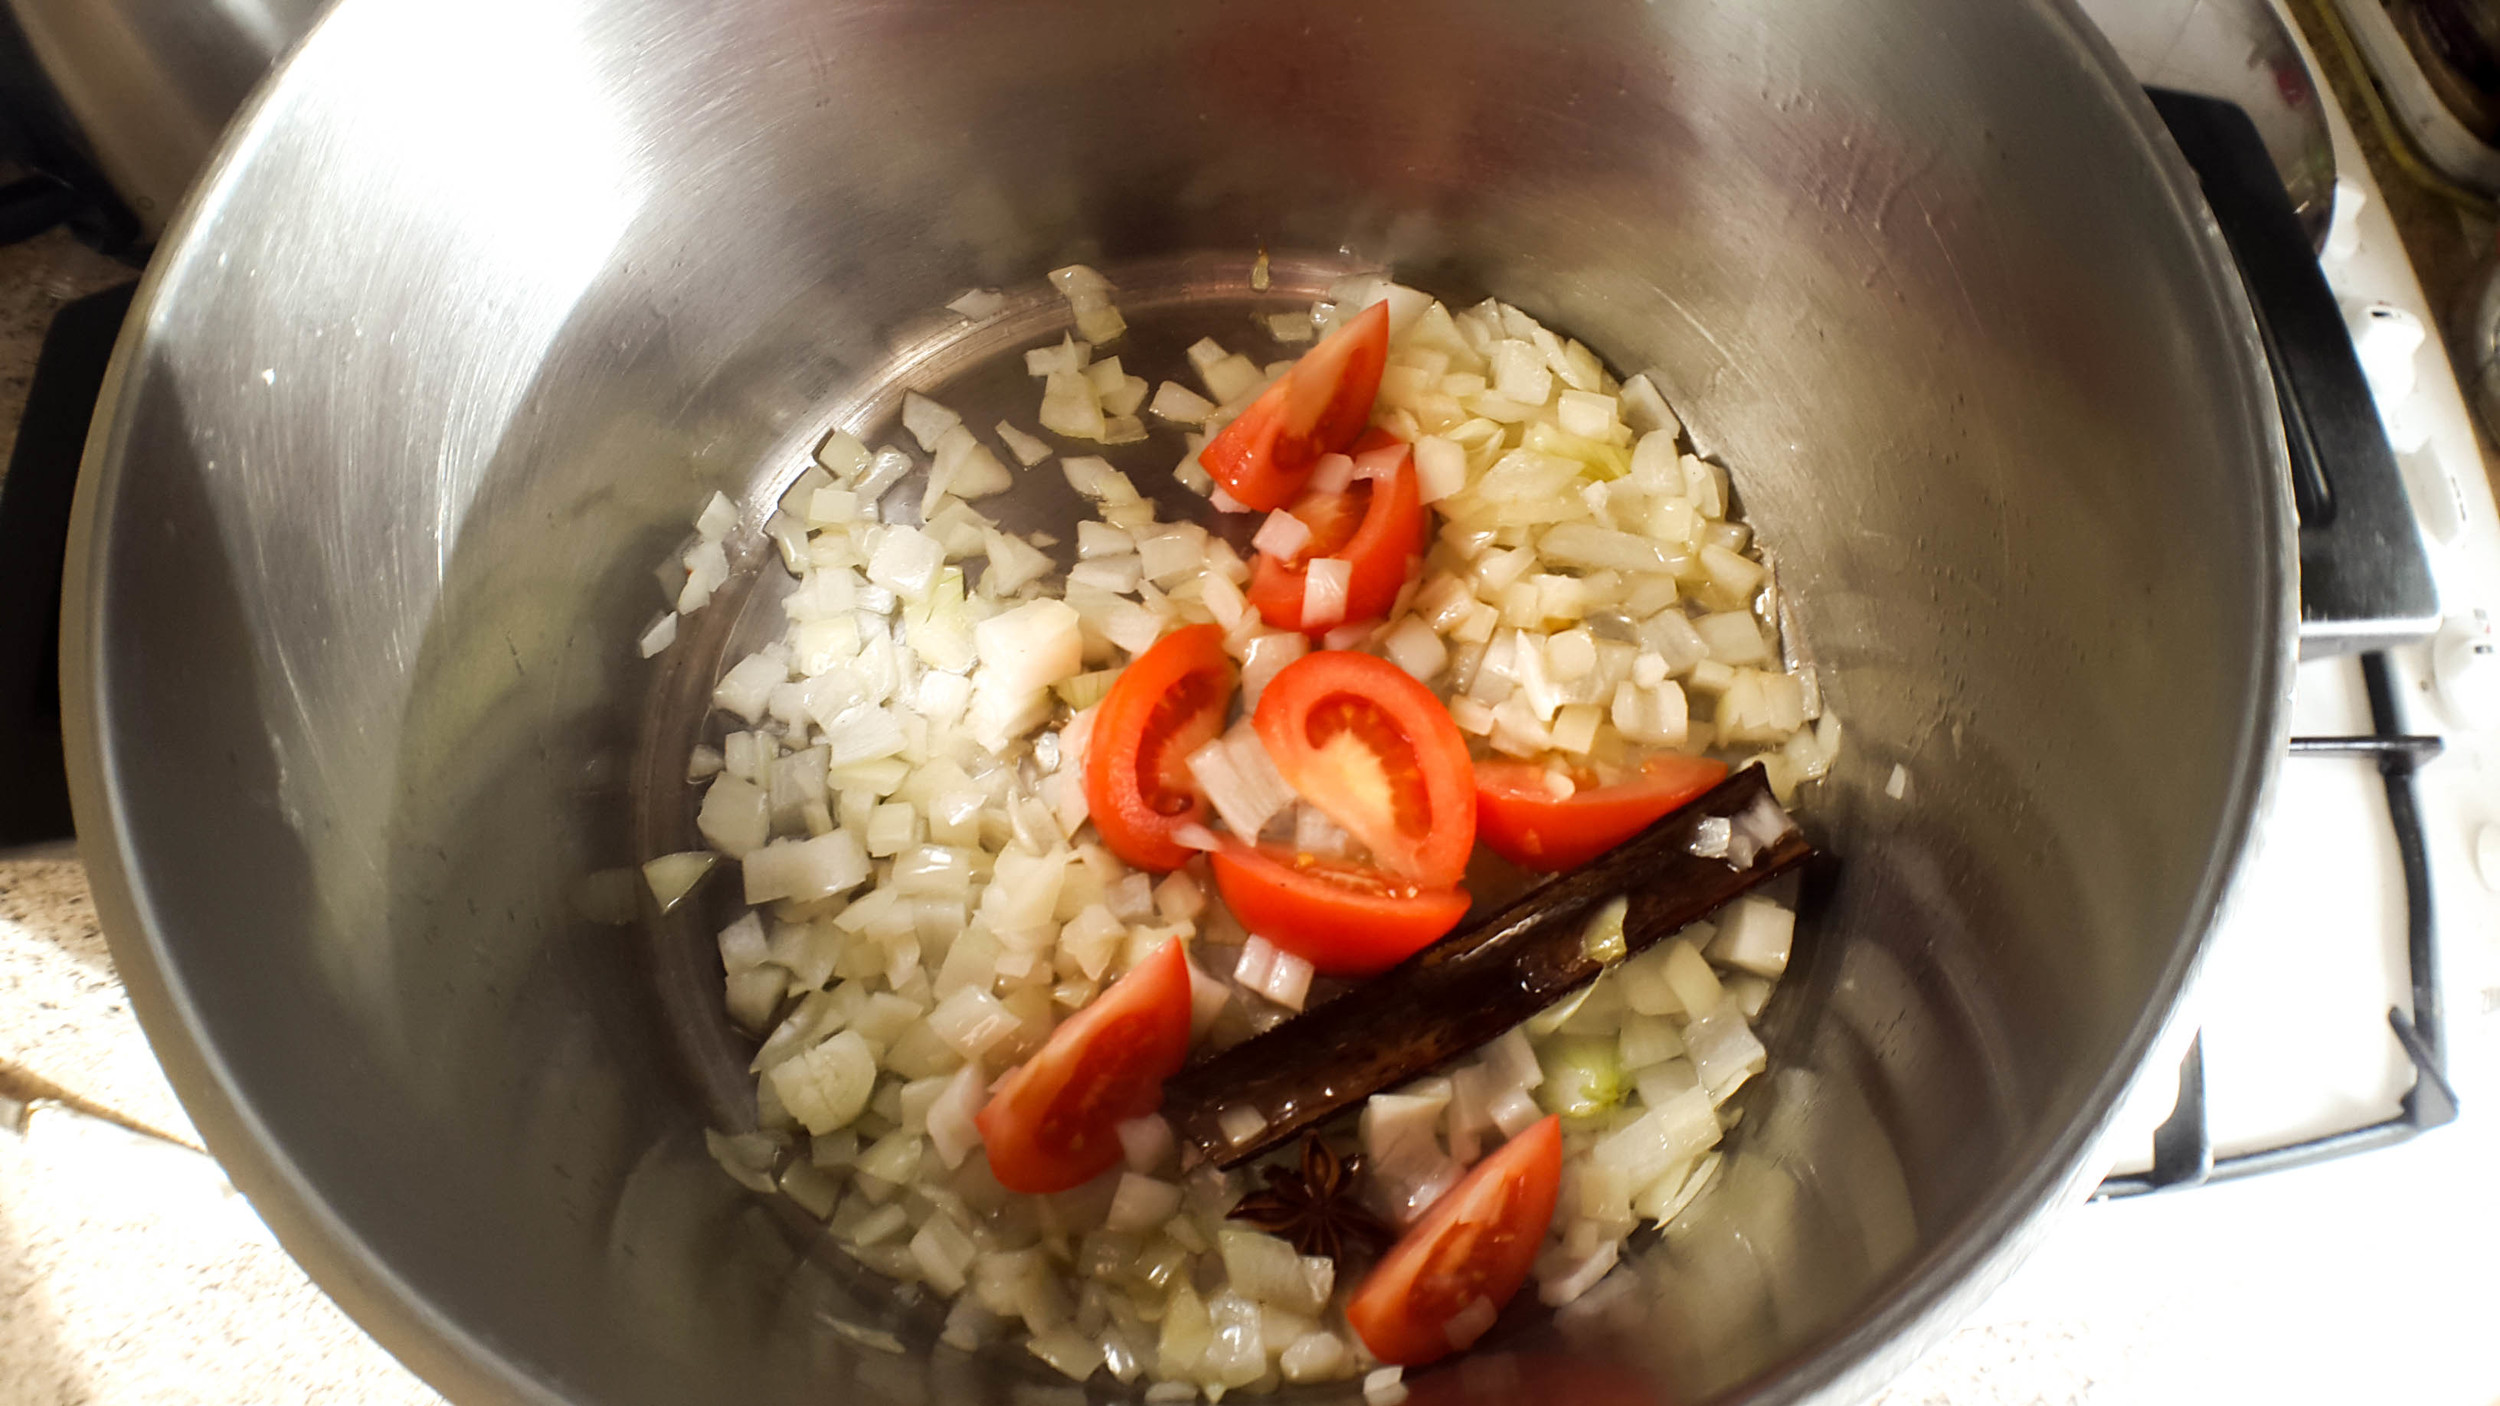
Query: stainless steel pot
[(482, 299)]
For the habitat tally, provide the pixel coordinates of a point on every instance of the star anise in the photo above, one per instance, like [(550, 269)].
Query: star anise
[(1316, 1207)]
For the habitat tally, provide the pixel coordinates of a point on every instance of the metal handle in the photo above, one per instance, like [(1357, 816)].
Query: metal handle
[(34, 530), (2365, 581)]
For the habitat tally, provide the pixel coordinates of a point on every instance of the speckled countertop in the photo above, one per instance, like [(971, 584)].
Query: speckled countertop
[(130, 1273)]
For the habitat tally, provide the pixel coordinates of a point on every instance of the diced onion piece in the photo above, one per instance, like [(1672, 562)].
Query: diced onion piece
[(661, 635), (1656, 716), (1315, 1356), (1724, 1049), (1069, 355), (1413, 647), (1146, 1143), (1240, 780), (719, 515), (1646, 411), (1232, 378), (673, 876), (1180, 405), (1141, 1204), (952, 1132), (1382, 1386), (824, 866), (1676, 1131), (906, 562), (1334, 473), (1325, 583), (1588, 414), (707, 570), (842, 455), (1031, 647), (979, 304), (1585, 546), (1696, 987), (944, 1252), (1754, 935), (1897, 785), (1265, 1268), (971, 1021), (1440, 468), (1028, 450), (1265, 657), (747, 1157), (1070, 407), (735, 817), (1282, 535), (1089, 297), (926, 419), (1239, 1123), (1470, 1323), (827, 1087)]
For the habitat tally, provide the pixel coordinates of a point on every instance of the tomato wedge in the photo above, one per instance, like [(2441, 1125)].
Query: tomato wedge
[(1167, 704), (1522, 820), (1358, 737), (1263, 457), (1344, 919), (1477, 1242), (1054, 1122), (1376, 526)]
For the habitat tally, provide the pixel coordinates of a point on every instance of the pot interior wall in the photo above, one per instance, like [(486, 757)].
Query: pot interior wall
[(461, 334)]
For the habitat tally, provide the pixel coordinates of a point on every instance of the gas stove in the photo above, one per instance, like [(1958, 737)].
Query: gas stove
[(2325, 1114)]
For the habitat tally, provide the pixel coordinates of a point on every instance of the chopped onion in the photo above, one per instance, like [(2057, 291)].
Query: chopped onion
[(1029, 648), (1265, 657), (1325, 583), (842, 455), (1266, 1269), (979, 304), (1070, 407), (1646, 411), (1470, 1323), (1142, 1203), (1290, 328), (1754, 935), (827, 1087), (1146, 1144), (1382, 1386), (1232, 378), (1028, 450), (718, 517), (1587, 547), (1333, 474), (1089, 297), (952, 1132), (926, 419), (1240, 1123), (1725, 1052), (1069, 355), (972, 1021), (1677, 1131), (1240, 780), (823, 867), (673, 876), (661, 634), (906, 561), (1282, 535), (1180, 405)]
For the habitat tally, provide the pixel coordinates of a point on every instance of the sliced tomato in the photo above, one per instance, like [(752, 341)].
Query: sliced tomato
[(1264, 456), (1358, 737), (1055, 1121), (1167, 704), (1344, 919), (1376, 526), (1477, 1242), (1521, 819)]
